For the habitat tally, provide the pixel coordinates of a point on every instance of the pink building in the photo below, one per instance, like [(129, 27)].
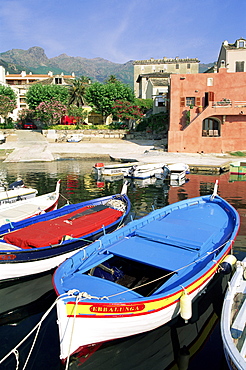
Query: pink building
[(207, 112)]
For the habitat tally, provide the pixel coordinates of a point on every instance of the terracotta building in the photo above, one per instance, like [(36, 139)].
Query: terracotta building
[(207, 112)]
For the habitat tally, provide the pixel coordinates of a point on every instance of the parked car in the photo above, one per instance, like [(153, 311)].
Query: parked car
[(29, 126), (68, 120)]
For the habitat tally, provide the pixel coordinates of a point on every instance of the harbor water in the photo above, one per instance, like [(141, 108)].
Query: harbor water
[(195, 345)]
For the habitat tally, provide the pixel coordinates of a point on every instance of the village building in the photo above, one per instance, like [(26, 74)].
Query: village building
[(22, 81), (208, 110)]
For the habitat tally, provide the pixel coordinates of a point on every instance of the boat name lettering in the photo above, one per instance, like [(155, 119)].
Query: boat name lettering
[(7, 257), (117, 309)]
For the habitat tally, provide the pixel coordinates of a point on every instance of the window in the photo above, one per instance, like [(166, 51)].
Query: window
[(188, 66), (240, 66), (190, 101), (159, 101), (241, 44), (58, 80), (210, 81), (177, 66), (210, 127)]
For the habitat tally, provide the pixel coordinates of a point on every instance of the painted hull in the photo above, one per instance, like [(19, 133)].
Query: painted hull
[(112, 310), (17, 194), (34, 206), (232, 326), (238, 168), (16, 262), (113, 169)]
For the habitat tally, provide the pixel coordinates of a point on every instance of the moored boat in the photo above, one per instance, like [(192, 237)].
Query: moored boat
[(144, 171), (233, 319), (42, 242), (15, 192), (238, 168), (143, 275), (17, 211), (116, 169)]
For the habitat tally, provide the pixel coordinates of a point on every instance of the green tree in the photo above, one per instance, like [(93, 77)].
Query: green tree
[(111, 79), (102, 97), (144, 104), (42, 93), (7, 91), (6, 107), (77, 91), (79, 113), (51, 111)]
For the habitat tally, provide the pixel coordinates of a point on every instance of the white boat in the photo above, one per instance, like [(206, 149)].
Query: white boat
[(23, 209), (175, 172), (15, 192), (75, 138), (116, 169), (233, 319), (144, 171)]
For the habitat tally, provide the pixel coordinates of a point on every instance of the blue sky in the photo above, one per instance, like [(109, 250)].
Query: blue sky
[(122, 30)]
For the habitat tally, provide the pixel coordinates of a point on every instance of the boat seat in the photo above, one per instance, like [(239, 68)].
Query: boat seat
[(178, 233), (239, 323)]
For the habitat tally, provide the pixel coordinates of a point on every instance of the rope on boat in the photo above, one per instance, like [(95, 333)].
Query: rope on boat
[(83, 294), (36, 327)]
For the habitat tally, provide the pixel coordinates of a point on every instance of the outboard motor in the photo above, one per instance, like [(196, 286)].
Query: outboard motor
[(132, 170), (166, 172)]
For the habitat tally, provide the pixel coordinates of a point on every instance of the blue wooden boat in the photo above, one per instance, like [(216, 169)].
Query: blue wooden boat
[(233, 319), (42, 242), (144, 274)]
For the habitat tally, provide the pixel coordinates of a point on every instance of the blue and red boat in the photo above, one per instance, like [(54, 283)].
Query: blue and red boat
[(42, 242), (144, 274)]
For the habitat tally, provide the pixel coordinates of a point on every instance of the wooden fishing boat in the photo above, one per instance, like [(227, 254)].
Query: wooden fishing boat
[(233, 319), (34, 206), (42, 242), (143, 275), (15, 192)]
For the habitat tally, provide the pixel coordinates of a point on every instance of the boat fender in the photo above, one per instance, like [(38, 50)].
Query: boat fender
[(99, 165), (227, 264), (185, 306)]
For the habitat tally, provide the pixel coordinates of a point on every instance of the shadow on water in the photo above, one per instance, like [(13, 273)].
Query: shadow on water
[(196, 345)]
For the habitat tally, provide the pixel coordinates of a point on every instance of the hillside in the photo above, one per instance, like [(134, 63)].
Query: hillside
[(35, 60), (98, 69)]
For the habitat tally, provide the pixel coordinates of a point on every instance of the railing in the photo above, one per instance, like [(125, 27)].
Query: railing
[(228, 103)]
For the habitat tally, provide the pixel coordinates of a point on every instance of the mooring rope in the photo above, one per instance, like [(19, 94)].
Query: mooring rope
[(37, 326)]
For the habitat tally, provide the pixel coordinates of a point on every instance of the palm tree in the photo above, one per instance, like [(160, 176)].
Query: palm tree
[(77, 91)]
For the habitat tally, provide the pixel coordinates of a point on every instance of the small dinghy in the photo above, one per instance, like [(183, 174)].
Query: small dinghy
[(233, 319), (144, 274), (41, 243)]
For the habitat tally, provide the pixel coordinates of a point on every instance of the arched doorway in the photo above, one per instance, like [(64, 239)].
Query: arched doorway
[(211, 127)]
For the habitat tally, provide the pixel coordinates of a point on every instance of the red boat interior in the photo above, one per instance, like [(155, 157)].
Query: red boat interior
[(77, 224)]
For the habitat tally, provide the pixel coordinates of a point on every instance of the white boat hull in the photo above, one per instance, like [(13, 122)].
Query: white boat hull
[(76, 332), (12, 271)]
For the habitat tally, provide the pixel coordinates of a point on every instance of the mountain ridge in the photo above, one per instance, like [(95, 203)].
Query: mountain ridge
[(98, 69)]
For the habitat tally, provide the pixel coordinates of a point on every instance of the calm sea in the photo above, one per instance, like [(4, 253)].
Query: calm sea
[(196, 345)]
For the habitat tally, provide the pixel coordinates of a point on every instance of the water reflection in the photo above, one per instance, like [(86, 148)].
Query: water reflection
[(170, 346)]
